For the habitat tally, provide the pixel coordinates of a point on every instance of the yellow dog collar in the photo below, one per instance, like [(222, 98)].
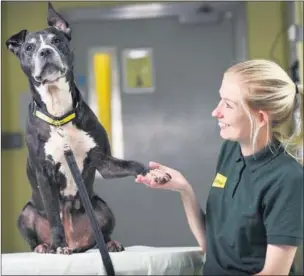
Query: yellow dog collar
[(55, 121)]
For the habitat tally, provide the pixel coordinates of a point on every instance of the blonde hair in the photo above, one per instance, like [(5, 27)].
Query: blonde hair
[(269, 88)]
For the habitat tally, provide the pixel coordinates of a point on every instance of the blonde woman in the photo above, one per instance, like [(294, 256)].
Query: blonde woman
[(253, 222)]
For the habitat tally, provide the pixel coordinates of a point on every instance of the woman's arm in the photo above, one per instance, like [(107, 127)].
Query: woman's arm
[(283, 220), (278, 260), (195, 216)]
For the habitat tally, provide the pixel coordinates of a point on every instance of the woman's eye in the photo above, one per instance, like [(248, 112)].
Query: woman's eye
[(227, 105)]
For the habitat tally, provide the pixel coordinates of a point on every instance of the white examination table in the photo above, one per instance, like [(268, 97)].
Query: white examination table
[(135, 260)]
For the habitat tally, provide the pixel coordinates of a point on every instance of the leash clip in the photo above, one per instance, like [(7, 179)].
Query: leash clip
[(61, 133)]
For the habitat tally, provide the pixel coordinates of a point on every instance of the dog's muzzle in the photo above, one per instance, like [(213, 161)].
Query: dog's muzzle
[(49, 65)]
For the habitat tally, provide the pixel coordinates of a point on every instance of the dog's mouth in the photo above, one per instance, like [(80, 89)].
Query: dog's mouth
[(50, 73)]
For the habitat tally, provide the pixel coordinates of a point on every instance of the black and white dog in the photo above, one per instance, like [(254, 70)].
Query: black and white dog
[(54, 220)]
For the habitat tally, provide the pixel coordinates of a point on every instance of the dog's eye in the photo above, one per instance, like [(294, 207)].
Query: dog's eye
[(29, 48), (57, 40)]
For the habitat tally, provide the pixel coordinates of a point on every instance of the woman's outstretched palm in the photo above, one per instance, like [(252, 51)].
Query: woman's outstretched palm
[(177, 182)]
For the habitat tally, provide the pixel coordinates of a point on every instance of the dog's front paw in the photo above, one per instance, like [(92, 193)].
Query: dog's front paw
[(64, 250), (61, 248), (115, 246), (159, 176), (43, 248), (140, 169)]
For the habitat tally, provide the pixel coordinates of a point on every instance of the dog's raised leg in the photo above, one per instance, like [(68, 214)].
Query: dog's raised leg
[(111, 167), (45, 175)]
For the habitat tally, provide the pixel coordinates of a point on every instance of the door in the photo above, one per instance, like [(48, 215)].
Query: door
[(171, 125)]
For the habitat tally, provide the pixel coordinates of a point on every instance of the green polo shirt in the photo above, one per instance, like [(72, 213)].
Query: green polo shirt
[(253, 201)]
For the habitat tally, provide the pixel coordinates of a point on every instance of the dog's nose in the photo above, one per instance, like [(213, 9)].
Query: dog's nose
[(46, 52)]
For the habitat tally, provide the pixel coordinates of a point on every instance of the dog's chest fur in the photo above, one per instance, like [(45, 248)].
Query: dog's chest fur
[(59, 101), (80, 143)]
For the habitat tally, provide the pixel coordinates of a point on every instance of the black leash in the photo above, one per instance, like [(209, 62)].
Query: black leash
[(69, 156)]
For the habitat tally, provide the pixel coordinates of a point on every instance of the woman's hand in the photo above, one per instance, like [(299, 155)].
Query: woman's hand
[(175, 180)]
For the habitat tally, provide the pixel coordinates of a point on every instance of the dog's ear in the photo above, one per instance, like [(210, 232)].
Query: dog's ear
[(54, 19), (15, 42)]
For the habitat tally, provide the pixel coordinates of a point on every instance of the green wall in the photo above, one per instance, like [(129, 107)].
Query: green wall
[(265, 20)]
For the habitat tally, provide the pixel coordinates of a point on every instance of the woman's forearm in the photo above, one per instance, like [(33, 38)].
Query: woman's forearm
[(195, 216)]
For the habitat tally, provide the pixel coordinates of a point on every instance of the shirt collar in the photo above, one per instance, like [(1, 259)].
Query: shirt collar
[(261, 157)]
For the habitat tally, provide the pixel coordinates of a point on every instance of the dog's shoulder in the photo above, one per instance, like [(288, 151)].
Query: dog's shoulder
[(87, 121)]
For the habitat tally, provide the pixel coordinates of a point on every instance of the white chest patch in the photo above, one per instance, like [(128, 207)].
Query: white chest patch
[(80, 143), (58, 100)]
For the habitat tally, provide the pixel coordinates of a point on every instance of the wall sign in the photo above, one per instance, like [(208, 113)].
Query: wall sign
[(138, 71)]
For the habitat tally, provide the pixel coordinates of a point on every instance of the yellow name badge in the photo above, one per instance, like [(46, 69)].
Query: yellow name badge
[(219, 181)]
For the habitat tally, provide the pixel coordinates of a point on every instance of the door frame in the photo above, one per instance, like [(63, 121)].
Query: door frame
[(186, 13)]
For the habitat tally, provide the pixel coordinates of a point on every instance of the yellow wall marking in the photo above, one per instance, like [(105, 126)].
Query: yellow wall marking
[(102, 78)]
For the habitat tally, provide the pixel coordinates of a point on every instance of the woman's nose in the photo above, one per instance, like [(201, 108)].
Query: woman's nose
[(217, 112)]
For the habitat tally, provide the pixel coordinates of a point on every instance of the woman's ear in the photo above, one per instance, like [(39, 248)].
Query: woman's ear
[(262, 118)]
